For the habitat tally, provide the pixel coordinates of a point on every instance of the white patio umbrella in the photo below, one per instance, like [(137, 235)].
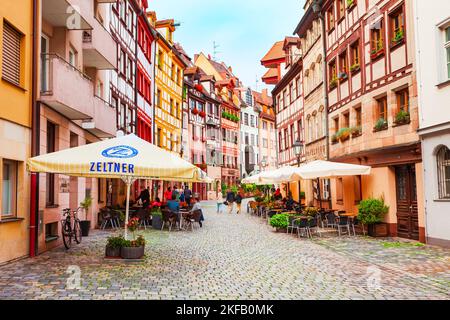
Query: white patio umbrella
[(321, 169), (280, 175), (327, 169), (127, 157)]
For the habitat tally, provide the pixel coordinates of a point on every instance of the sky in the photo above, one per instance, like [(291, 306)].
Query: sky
[(244, 30)]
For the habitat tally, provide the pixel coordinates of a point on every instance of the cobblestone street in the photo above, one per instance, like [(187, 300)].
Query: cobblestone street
[(236, 257)]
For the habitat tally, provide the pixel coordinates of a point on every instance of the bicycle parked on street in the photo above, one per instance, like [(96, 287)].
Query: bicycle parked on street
[(71, 227)]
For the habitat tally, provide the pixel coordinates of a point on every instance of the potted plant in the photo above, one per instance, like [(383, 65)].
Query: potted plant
[(198, 87), (398, 37), (350, 4), (85, 224), (355, 68), (343, 134), (356, 131), (195, 111), (334, 139), (371, 213), (310, 212), (343, 76), (156, 217), (402, 117), (113, 246), (380, 125), (280, 222), (333, 83), (133, 249), (377, 49), (202, 114)]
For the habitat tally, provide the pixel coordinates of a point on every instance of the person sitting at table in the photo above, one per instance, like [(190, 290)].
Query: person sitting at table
[(174, 206), (277, 195), (197, 206), (289, 202)]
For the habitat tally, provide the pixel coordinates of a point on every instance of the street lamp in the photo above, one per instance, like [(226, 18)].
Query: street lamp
[(264, 164), (298, 149)]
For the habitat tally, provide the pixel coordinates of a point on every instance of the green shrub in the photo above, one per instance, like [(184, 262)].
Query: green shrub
[(310, 211), (371, 211), (279, 221), (116, 242), (402, 116)]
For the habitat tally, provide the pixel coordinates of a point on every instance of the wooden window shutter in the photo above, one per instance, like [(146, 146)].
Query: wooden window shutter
[(11, 54)]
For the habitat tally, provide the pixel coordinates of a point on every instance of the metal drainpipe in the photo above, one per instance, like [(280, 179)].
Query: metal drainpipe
[(35, 140), (325, 81)]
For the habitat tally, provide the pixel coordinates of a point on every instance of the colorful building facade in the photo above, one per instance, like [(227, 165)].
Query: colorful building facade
[(16, 41), (374, 109), (432, 30)]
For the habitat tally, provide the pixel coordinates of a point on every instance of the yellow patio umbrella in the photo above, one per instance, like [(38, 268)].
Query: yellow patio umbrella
[(127, 158)]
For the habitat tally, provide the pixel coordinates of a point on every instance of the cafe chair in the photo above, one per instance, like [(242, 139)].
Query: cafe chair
[(330, 220), (168, 218), (313, 225), (343, 223), (302, 227)]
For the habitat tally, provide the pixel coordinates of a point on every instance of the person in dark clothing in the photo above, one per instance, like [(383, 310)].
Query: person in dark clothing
[(230, 199), (289, 202), (187, 195), (238, 202), (144, 196)]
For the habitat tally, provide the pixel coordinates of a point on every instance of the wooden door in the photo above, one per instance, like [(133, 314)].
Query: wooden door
[(407, 212)]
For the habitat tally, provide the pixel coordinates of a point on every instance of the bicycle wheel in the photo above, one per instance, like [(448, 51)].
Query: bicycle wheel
[(67, 235), (77, 231)]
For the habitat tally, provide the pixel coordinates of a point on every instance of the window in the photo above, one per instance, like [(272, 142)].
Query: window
[(340, 9), (300, 130), (292, 139), (396, 29), (339, 190), (9, 188), (252, 139), (286, 141), (246, 119), (447, 50), (332, 73), (346, 120), (310, 130), (158, 98), (264, 125), (172, 72), (291, 93), (50, 177), (249, 98), (376, 35), (402, 100), (280, 142), (343, 64), (382, 108), (12, 41), (160, 59), (265, 143), (336, 124), (443, 172), (358, 117), (355, 60), (122, 114), (252, 120), (330, 18), (122, 62), (285, 100), (297, 87)]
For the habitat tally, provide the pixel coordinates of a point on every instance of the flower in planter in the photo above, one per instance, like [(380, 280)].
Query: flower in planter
[(399, 35), (350, 3), (343, 75), (356, 131), (354, 67), (333, 83), (202, 114), (195, 111), (402, 117), (381, 124), (334, 138), (198, 87), (343, 134)]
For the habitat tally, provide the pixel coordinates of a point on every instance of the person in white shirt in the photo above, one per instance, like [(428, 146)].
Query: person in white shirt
[(219, 200), (198, 206)]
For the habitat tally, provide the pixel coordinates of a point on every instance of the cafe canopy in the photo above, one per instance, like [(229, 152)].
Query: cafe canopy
[(128, 158)]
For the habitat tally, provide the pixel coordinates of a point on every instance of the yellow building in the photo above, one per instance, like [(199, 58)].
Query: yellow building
[(16, 41), (168, 87)]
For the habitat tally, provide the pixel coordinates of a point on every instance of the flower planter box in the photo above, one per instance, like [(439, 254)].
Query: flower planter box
[(378, 230), (344, 138), (377, 54), (283, 230), (355, 70), (381, 129), (356, 134), (85, 226), (132, 252), (112, 252), (156, 222), (395, 44)]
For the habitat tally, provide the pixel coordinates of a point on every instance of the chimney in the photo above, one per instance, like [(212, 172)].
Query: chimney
[(209, 57)]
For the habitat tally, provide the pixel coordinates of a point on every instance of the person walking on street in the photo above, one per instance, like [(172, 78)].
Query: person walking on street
[(230, 199), (187, 195), (219, 199), (238, 202)]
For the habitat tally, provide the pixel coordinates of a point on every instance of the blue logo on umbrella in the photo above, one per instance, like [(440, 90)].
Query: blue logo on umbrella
[(120, 152)]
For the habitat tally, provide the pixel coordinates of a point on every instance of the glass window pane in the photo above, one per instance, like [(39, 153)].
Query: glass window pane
[(447, 34), (448, 63), (8, 186)]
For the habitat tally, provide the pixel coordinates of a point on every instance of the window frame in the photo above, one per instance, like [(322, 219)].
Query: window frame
[(14, 190), (442, 165)]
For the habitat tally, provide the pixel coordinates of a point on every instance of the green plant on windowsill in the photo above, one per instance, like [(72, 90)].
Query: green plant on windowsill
[(355, 67), (334, 139), (333, 82), (402, 117), (381, 124), (399, 35), (350, 4), (343, 134), (356, 131)]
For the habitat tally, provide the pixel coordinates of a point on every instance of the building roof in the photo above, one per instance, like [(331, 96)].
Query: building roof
[(290, 41), (275, 53)]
